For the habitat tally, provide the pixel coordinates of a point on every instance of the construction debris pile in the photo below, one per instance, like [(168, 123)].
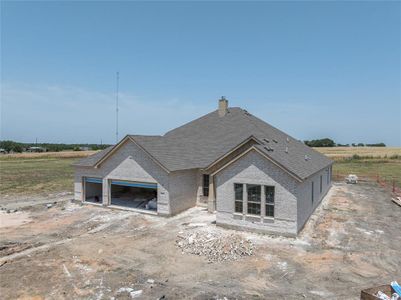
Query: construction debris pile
[(215, 247)]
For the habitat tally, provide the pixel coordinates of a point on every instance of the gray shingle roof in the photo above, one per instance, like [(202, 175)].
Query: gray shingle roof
[(199, 143)]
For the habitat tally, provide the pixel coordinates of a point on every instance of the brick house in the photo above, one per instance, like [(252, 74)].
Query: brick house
[(252, 175)]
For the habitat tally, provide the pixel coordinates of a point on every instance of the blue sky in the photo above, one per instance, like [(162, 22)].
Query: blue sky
[(312, 69)]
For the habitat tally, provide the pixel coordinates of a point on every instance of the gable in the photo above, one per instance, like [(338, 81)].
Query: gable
[(253, 168), (254, 149), (132, 170), (123, 143)]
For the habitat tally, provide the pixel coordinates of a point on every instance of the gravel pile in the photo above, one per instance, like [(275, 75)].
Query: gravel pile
[(215, 247)]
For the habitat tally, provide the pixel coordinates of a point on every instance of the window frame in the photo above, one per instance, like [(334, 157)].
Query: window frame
[(205, 188), (257, 203), (239, 200), (269, 204)]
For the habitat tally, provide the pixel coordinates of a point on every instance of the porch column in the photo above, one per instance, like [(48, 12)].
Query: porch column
[(105, 196), (211, 205)]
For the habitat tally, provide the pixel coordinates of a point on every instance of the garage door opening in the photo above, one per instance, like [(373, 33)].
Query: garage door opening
[(93, 190), (134, 195)]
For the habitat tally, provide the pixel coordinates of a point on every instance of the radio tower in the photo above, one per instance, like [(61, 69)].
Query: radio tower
[(118, 79)]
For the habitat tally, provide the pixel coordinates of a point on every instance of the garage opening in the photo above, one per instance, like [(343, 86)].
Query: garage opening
[(134, 195), (93, 190)]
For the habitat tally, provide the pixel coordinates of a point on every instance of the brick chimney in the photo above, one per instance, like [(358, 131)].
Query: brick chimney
[(223, 106)]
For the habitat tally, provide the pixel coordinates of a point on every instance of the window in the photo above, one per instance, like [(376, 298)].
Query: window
[(269, 193), (321, 183), (312, 191), (254, 197), (239, 197), (205, 185)]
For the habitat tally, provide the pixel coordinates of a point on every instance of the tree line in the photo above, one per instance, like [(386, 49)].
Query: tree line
[(326, 142), (12, 146)]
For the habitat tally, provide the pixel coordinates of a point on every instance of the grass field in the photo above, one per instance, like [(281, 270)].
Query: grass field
[(338, 153), (38, 173), (61, 154), (46, 173), (37, 176), (384, 162), (388, 170)]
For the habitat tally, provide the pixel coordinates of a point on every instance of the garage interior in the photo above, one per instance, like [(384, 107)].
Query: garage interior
[(93, 190), (134, 195)]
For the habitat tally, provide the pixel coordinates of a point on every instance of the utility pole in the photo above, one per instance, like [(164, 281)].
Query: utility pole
[(118, 79)]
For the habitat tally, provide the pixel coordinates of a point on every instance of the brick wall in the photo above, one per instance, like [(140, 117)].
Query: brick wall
[(183, 190), (305, 206), (255, 169)]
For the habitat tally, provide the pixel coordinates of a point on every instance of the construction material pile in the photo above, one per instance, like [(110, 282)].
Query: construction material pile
[(215, 247)]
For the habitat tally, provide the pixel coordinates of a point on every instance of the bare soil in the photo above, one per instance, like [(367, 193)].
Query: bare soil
[(71, 251)]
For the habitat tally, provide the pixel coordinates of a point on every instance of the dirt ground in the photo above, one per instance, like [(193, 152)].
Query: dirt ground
[(70, 251)]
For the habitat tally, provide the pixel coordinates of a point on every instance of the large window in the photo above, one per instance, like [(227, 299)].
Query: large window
[(269, 193), (254, 197), (205, 185), (239, 197)]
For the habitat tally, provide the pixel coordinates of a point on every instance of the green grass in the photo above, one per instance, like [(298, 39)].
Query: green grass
[(36, 176), (388, 169)]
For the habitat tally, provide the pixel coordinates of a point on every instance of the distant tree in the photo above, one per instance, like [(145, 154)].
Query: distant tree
[(6, 145), (11, 146), (17, 148), (376, 145), (54, 147), (361, 145), (326, 142)]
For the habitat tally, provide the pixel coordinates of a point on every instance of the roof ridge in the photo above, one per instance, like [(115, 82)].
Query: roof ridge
[(190, 122), (144, 135)]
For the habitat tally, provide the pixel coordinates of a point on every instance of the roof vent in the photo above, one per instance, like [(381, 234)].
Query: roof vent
[(286, 149), (307, 157), (223, 106), (266, 140), (288, 139), (275, 141)]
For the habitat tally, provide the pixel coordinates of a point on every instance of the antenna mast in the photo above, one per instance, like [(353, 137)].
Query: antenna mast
[(118, 79)]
